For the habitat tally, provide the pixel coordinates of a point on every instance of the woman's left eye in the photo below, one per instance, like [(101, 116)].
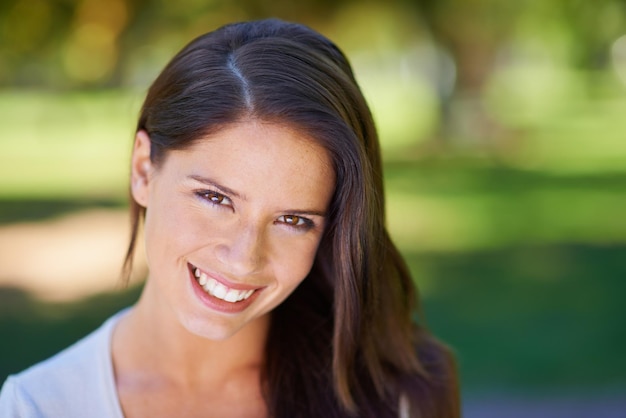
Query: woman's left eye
[(296, 221)]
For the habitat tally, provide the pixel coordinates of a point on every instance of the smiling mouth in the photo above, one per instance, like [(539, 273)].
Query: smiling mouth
[(218, 290)]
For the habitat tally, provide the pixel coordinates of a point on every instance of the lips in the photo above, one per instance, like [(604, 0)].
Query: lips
[(220, 293), (220, 290)]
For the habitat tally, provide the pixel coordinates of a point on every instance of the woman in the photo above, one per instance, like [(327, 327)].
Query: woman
[(274, 289)]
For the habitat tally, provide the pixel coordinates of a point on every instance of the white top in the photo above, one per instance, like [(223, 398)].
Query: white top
[(78, 382)]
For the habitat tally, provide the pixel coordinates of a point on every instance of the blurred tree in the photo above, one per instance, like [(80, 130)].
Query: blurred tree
[(475, 33), (472, 32), (594, 27), (66, 44), (95, 43)]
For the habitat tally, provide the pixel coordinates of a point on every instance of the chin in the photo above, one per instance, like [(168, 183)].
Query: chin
[(212, 329)]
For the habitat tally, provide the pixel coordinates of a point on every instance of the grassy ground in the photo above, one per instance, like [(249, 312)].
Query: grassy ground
[(531, 318)]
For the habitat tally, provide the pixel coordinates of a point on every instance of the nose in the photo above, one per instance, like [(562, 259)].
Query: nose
[(243, 252)]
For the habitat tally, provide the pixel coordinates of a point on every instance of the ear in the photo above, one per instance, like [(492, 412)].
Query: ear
[(141, 168)]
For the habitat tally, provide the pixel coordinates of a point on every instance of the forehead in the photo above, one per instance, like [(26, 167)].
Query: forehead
[(255, 138), (259, 154)]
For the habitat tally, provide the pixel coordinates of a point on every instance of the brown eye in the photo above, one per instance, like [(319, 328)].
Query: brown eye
[(296, 221), (292, 219), (215, 197)]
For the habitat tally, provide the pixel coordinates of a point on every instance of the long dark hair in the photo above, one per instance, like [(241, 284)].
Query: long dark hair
[(345, 343)]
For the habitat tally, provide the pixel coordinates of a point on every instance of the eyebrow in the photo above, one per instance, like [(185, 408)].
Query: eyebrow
[(306, 212), (210, 182)]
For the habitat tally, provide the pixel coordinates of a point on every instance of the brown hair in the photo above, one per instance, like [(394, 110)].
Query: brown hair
[(345, 342)]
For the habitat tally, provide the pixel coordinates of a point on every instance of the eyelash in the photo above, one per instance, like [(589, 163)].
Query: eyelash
[(208, 196)]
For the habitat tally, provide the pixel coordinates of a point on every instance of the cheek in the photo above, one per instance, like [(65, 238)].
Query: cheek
[(294, 261), (169, 230)]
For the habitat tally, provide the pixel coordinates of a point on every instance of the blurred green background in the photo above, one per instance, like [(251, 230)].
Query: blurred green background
[(502, 125)]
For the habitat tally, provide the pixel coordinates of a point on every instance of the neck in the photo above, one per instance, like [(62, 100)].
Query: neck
[(151, 339)]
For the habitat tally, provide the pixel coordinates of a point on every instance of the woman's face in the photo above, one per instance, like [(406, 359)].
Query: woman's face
[(232, 224)]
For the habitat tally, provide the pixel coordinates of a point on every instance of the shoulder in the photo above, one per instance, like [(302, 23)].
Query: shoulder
[(71, 383), (439, 390), (436, 358)]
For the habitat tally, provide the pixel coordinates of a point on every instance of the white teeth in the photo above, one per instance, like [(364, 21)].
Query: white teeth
[(220, 291), (210, 286), (217, 289), (203, 279), (231, 296)]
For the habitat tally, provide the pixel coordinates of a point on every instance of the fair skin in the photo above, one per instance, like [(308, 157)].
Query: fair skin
[(232, 227)]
